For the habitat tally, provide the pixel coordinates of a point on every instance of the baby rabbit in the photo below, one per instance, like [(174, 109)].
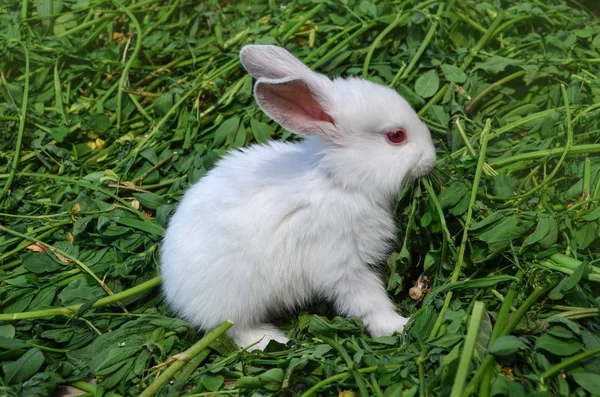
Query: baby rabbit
[(273, 227)]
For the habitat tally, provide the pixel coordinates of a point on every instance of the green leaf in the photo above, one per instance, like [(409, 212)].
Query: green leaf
[(79, 292), (586, 235), (247, 383), (571, 325), (452, 194), (507, 345), (81, 224), (150, 200), (504, 185), (182, 125), (227, 128), (99, 123), (60, 133), (486, 282), (592, 215), (573, 278), (7, 331), (508, 229), (546, 232), (37, 262), (261, 131), (9, 343), (319, 325), (423, 323), (163, 104), (44, 298), (212, 382), (446, 340), (24, 368), (557, 346), (64, 22), (59, 335), (148, 227), (44, 10), (272, 379), (496, 64), (453, 73), (427, 84), (589, 382), (118, 376)]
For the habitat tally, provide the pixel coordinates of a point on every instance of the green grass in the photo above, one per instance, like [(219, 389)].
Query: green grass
[(110, 110)]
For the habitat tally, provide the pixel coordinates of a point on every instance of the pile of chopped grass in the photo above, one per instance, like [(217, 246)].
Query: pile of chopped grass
[(110, 111)]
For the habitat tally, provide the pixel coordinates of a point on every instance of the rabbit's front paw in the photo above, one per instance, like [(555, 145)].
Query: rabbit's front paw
[(385, 324)]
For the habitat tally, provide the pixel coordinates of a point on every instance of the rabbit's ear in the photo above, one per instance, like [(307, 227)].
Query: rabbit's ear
[(298, 105), (272, 62)]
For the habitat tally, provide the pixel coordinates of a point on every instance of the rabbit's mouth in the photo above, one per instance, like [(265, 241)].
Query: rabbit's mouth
[(425, 164)]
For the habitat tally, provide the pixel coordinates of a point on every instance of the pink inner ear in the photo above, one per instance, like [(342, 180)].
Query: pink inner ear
[(293, 105)]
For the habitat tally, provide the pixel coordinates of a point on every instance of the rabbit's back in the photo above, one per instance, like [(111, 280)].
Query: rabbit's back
[(264, 231)]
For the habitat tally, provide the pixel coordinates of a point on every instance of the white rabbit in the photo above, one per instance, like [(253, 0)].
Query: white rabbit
[(273, 227)]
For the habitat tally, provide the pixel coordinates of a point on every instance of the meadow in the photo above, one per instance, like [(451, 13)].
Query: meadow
[(109, 110)]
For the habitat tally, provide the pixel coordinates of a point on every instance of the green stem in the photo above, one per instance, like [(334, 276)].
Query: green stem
[(570, 262), (342, 44), (581, 313), (334, 39), (71, 310), (591, 276), (377, 41), (344, 375), (22, 118), (592, 148), (466, 62), (568, 362), (46, 231), (448, 239), (565, 150), (349, 363), (132, 59), (468, 348), (499, 328), (465, 237), (23, 9), (88, 186), (301, 22), (183, 358), (514, 320), (62, 253), (162, 121), (425, 42), (492, 87), (58, 94), (375, 385)]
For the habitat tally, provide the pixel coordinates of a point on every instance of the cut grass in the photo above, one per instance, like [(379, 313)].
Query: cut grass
[(111, 110)]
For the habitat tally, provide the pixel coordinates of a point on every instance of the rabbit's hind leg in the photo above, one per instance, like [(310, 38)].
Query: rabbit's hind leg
[(256, 337)]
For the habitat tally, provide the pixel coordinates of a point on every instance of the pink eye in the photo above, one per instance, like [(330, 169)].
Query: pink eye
[(396, 137)]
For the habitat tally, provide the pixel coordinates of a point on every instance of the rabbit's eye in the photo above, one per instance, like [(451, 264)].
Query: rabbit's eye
[(396, 137)]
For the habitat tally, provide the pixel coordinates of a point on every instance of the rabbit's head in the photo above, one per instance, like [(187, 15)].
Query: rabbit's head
[(372, 138)]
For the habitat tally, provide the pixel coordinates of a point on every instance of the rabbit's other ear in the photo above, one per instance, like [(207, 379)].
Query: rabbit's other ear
[(272, 62), (297, 104)]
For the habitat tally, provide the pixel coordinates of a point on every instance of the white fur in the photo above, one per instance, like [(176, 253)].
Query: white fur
[(274, 227)]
